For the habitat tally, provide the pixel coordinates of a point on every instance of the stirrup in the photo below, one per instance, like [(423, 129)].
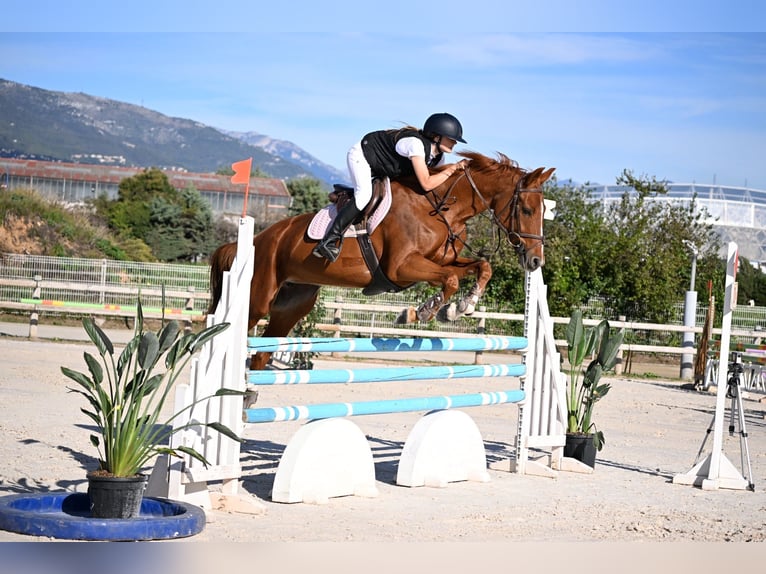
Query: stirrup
[(325, 249)]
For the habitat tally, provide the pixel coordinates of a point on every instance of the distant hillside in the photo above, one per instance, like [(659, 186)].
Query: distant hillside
[(75, 127), (34, 225), (292, 153)]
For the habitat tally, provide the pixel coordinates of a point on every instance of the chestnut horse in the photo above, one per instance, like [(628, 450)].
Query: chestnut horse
[(419, 240)]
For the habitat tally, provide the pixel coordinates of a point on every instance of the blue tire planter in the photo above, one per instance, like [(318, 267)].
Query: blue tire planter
[(67, 515)]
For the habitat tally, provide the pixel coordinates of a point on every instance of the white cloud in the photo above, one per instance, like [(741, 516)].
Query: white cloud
[(535, 50)]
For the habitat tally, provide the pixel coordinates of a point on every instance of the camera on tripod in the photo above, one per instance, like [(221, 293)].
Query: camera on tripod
[(736, 367)]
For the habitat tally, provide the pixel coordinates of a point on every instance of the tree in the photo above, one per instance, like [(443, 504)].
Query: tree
[(224, 230), (308, 195), (176, 225), (647, 260), (197, 223), (575, 241), (131, 211), (751, 284), (181, 231), (633, 254)]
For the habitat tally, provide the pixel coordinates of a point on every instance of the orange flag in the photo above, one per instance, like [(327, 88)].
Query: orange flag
[(241, 171)]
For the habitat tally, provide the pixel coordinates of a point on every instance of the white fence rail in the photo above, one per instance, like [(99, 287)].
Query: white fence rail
[(44, 286)]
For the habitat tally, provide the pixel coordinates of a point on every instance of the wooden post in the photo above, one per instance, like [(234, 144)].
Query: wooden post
[(618, 366), (33, 317), (478, 356), (189, 307), (336, 320)]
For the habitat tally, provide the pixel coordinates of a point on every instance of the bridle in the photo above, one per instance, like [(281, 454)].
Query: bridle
[(514, 216), (512, 231)]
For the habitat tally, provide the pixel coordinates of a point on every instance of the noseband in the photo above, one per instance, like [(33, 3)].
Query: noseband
[(513, 229)]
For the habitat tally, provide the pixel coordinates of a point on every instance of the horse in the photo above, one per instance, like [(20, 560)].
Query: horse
[(419, 240)]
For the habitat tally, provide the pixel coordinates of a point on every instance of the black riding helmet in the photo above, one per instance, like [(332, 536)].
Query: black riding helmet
[(445, 125)]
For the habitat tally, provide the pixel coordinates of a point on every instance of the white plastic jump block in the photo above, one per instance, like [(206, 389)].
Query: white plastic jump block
[(444, 446), (325, 459)]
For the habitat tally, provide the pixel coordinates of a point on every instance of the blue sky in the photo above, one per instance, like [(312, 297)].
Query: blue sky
[(672, 90)]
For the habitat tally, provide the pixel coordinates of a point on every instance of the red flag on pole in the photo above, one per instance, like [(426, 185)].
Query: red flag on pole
[(241, 171), (242, 175)]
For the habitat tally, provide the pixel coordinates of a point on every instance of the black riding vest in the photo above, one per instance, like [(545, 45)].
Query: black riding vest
[(379, 149)]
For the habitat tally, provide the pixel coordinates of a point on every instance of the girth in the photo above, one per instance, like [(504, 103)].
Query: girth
[(380, 283)]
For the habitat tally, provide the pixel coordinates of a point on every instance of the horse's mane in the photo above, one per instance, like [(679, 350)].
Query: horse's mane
[(481, 162)]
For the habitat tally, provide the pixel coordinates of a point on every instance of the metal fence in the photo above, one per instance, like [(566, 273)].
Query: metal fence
[(102, 281), (373, 318), (108, 282)]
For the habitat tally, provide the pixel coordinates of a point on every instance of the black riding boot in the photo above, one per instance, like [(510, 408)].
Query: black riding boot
[(327, 248)]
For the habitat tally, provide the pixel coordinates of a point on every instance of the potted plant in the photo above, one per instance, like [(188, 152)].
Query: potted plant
[(125, 399), (585, 389)]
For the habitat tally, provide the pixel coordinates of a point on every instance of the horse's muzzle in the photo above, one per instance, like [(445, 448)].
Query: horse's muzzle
[(530, 262)]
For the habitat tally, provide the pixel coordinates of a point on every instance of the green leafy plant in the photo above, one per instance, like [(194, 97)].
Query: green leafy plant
[(584, 389), (126, 396)]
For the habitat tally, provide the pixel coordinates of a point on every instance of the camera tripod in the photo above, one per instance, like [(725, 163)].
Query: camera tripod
[(736, 414)]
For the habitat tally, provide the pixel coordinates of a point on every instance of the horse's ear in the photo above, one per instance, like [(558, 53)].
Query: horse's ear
[(534, 174), (539, 176)]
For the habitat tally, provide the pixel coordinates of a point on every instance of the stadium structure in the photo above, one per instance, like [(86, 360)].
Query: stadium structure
[(737, 213)]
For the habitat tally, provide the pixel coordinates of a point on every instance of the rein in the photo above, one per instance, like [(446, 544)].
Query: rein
[(514, 217), (514, 237)]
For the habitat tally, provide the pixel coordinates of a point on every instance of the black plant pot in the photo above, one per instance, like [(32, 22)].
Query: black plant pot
[(581, 447), (115, 496)]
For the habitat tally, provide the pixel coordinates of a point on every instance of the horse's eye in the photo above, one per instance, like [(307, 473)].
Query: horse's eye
[(527, 211)]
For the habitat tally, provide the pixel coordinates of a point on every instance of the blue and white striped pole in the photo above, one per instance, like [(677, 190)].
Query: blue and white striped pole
[(382, 374), (334, 410), (367, 345)]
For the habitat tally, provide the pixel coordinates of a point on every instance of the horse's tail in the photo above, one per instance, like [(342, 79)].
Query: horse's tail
[(220, 261)]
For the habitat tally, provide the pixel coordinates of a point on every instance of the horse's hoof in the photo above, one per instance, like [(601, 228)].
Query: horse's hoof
[(407, 315), (447, 313), (467, 306), (424, 315)]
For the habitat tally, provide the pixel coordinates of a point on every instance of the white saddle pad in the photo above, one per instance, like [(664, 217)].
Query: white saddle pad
[(324, 217)]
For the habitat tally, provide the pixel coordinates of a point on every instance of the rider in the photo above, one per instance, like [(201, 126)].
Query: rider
[(394, 153)]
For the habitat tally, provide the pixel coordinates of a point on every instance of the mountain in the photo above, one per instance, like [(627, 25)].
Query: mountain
[(292, 153), (76, 127)]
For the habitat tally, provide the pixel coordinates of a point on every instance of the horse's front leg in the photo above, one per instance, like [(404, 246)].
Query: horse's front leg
[(463, 308), (419, 269), (430, 307), (424, 312), (449, 277), (467, 304)]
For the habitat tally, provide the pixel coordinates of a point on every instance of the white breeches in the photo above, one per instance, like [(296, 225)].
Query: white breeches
[(361, 175)]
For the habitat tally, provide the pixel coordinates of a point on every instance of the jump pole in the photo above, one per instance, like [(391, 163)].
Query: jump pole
[(406, 405), (379, 345), (383, 374)]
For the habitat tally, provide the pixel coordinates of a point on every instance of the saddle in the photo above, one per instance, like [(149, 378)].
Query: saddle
[(362, 227), (341, 194)]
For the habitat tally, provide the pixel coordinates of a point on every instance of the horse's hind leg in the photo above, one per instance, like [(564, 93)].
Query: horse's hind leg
[(293, 302)]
